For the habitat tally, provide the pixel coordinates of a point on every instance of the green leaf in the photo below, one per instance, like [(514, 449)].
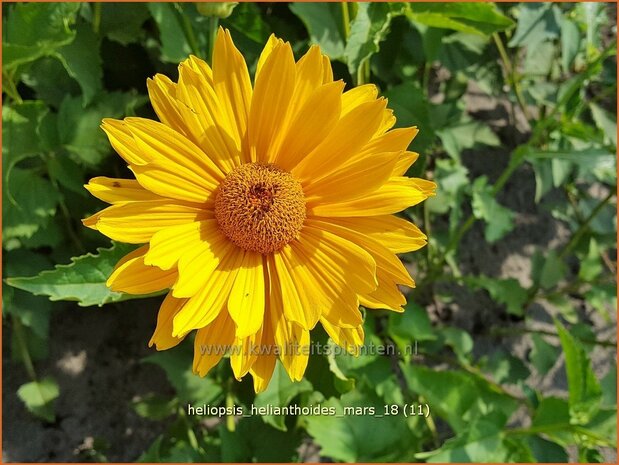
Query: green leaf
[(122, 23), (367, 30), (83, 63), (499, 220), (504, 291), (459, 340), (505, 368), (546, 451), (323, 22), (474, 18), (591, 266), (34, 30), (83, 280), (280, 392), (466, 134), (584, 390), (253, 441), (607, 122), (177, 364), (20, 130), (410, 106), (29, 204), (39, 397), (174, 45), (474, 397), (154, 407), (537, 22), (547, 271), (570, 43), (78, 127), (482, 442), (357, 438), (543, 355), (411, 325)]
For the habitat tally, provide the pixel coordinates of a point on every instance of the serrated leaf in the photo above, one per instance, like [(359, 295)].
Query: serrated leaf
[(34, 30), (323, 22), (78, 127), (473, 18), (584, 389), (499, 220), (356, 438), (537, 22), (543, 355), (474, 397), (369, 27), (504, 291), (39, 397), (82, 61), (123, 22), (28, 205), (83, 280)]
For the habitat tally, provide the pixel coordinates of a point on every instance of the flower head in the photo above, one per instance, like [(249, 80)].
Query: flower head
[(264, 210)]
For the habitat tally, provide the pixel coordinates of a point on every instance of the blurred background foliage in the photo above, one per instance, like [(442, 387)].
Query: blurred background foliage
[(552, 70)]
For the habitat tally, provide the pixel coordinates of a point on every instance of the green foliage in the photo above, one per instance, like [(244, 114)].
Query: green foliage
[(516, 107), (39, 397), (83, 280)]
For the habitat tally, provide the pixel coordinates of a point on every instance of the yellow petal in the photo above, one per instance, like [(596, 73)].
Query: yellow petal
[(210, 300), (195, 266), (231, 81), (386, 261), (262, 368), (123, 142), (308, 76), (177, 168), (353, 180), (395, 140), (272, 94), (162, 337), (310, 126), (207, 121), (169, 244), (404, 163), (338, 256), (266, 52), (114, 190), (245, 353), (327, 71), (348, 136), (350, 339), (201, 67), (247, 297), (291, 339), (162, 94), (281, 278), (396, 234), (354, 97), (394, 196), (133, 277), (137, 222), (211, 343)]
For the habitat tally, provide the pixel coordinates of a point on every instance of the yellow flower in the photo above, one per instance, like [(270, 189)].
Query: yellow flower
[(264, 210)]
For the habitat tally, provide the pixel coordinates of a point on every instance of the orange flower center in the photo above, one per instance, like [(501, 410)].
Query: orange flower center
[(260, 207)]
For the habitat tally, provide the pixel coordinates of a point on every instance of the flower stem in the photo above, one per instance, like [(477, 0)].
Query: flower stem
[(230, 405), (190, 35), (213, 24), (345, 19), (96, 18), (18, 333)]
